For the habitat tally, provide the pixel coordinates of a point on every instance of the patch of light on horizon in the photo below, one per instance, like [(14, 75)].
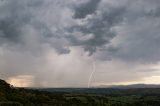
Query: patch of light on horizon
[(21, 81)]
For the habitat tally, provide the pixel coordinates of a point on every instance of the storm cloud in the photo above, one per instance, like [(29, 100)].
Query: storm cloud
[(41, 40), (87, 8)]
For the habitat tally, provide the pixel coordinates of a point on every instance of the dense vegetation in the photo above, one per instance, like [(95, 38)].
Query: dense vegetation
[(10, 96)]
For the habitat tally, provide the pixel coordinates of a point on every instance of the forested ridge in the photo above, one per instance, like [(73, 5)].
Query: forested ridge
[(11, 96)]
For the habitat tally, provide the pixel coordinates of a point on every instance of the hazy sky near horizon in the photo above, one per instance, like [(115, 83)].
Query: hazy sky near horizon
[(53, 43)]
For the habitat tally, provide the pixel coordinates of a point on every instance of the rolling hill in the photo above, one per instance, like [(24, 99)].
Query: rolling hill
[(132, 95)]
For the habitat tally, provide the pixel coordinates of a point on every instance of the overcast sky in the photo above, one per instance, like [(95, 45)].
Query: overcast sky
[(53, 43)]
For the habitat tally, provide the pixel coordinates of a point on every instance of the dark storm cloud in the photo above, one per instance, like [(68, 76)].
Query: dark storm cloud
[(154, 12), (99, 25), (140, 33), (97, 18), (84, 9), (142, 46), (96, 33), (18, 17), (14, 17)]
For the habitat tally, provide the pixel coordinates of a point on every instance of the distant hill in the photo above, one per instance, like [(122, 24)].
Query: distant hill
[(132, 95), (113, 89), (131, 86)]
